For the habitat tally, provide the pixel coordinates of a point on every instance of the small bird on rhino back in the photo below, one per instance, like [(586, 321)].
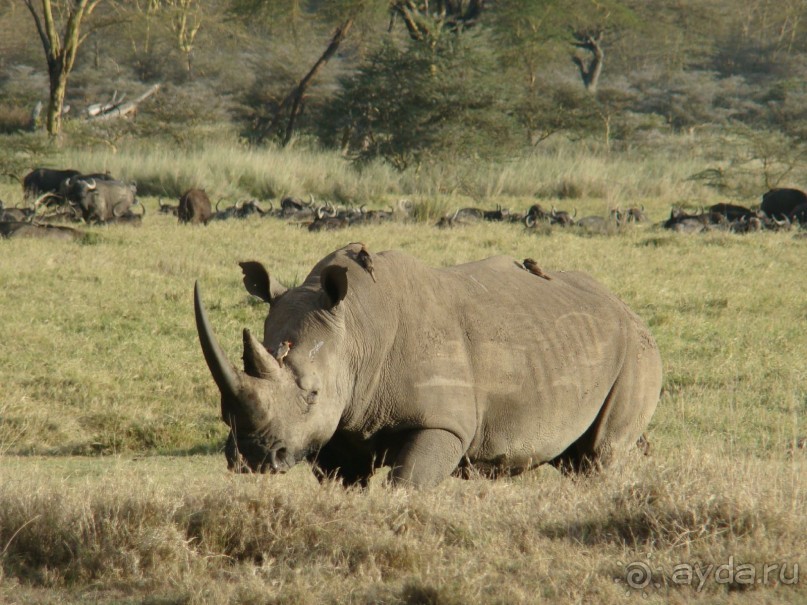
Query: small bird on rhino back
[(364, 259), (532, 266)]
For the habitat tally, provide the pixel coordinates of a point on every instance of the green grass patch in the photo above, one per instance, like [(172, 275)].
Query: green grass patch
[(100, 358)]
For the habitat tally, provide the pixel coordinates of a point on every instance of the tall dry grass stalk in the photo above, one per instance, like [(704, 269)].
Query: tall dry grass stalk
[(563, 173)]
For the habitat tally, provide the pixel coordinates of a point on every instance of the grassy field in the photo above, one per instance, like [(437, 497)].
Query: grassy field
[(113, 487)]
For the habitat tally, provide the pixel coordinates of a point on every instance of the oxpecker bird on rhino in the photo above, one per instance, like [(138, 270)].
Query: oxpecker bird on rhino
[(519, 371)]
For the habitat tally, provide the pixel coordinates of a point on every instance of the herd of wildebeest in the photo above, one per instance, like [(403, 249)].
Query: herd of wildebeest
[(53, 199)]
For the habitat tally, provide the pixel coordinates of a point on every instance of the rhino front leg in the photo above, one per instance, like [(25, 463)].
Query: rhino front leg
[(426, 457)]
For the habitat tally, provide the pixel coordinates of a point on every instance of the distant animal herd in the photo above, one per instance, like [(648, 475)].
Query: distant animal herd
[(53, 199)]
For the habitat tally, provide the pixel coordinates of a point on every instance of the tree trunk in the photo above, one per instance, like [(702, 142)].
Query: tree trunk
[(58, 86), (590, 73), (295, 97), (60, 50)]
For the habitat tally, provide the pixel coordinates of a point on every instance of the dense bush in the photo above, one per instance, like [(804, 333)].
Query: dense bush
[(411, 101), (496, 86)]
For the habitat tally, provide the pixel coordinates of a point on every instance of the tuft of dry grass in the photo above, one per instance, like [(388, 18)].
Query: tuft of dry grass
[(186, 530)]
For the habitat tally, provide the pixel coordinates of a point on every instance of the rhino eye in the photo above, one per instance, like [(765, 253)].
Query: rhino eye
[(311, 397)]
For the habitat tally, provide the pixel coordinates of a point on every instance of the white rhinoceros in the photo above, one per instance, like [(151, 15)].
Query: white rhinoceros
[(434, 371)]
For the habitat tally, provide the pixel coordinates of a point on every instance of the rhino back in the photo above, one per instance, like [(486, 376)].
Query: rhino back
[(515, 365), (543, 356)]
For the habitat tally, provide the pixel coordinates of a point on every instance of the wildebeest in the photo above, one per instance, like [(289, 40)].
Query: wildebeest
[(746, 224), (72, 187), (562, 217), (732, 212), (19, 229), (370, 217), (172, 209), (251, 208), (101, 201), (600, 224), (45, 180), (482, 366), (328, 223), (799, 215), (779, 203), (296, 209), (128, 218), (15, 214), (725, 217), (535, 214), (291, 205), (240, 210), (634, 214), (194, 207), (461, 216), (685, 222), (500, 214), (678, 215)]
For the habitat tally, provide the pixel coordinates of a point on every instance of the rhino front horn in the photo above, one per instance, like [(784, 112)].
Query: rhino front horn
[(223, 372)]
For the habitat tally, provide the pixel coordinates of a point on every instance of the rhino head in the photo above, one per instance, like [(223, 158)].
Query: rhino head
[(281, 412)]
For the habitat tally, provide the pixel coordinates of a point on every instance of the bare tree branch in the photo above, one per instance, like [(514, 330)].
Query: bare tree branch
[(423, 19), (294, 99)]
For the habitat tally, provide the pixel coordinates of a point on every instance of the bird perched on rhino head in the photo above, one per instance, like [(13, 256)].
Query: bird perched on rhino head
[(283, 351)]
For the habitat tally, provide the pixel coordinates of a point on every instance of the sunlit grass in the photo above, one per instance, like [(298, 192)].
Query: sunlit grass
[(100, 359), (563, 173)]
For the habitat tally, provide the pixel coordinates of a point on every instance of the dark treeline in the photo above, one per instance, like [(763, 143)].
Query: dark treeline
[(410, 79)]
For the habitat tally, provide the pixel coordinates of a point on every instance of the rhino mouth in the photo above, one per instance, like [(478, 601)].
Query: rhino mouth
[(251, 455)]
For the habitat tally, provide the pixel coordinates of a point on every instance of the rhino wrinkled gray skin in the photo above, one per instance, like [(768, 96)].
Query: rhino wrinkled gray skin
[(478, 367)]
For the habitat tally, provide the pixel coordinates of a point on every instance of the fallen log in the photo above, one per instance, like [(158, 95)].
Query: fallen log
[(119, 109)]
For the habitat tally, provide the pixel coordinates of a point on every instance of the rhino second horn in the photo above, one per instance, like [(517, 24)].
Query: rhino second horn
[(257, 360), (225, 375)]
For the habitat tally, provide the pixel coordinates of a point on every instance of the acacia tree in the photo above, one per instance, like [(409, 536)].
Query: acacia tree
[(185, 22), (412, 102), (60, 47)]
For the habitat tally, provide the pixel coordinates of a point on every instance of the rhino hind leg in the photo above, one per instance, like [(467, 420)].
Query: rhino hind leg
[(620, 423)]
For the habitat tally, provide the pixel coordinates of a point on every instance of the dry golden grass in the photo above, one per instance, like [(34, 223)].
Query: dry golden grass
[(562, 172), (183, 530), (100, 359)]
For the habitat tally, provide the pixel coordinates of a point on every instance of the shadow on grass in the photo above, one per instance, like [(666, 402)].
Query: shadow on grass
[(662, 525), (424, 594)]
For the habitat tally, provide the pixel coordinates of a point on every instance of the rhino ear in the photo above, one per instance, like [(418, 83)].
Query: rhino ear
[(334, 284), (258, 283)]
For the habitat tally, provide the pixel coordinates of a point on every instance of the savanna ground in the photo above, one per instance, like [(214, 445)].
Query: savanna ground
[(113, 487)]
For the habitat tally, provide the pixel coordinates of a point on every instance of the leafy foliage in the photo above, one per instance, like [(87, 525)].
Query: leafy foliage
[(496, 84), (416, 100)]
